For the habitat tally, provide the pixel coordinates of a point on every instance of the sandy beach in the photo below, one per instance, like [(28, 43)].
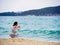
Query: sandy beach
[(19, 41)]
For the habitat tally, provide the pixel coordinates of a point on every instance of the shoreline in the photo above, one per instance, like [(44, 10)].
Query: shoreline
[(35, 39), (21, 41)]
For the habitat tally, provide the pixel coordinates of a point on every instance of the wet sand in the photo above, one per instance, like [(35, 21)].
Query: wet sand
[(20, 41)]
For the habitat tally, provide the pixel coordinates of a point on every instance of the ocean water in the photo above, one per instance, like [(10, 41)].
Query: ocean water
[(44, 28)]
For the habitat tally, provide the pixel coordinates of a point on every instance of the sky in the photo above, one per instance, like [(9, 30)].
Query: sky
[(23, 5)]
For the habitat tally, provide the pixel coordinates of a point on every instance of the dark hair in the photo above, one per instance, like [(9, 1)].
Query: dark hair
[(15, 23)]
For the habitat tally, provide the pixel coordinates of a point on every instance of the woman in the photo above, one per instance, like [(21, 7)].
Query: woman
[(14, 31)]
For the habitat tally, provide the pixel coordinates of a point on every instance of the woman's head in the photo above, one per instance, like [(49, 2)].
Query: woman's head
[(15, 24)]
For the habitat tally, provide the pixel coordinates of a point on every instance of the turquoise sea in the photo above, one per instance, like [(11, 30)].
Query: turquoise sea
[(44, 28)]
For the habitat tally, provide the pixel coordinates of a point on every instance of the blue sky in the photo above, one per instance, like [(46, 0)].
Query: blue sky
[(23, 5)]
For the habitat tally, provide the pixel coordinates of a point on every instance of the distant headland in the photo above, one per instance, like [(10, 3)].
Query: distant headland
[(48, 11)]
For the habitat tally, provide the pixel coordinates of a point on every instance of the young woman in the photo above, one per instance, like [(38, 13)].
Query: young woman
[(14, 31)]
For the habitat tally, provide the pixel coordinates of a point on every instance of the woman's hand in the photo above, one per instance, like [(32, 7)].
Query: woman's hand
[(18, 26)]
